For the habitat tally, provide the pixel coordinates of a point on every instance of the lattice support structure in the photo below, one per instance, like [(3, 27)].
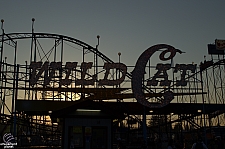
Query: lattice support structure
[(197, 107)]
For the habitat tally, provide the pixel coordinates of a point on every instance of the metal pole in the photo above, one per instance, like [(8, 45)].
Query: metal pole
[(14, 85), (1, 67), (15, 98), (144, 123), (96, 60), (14, 76), (35, 41), (53, 92), (2, 47), (119, 54), (5, 89), (203, 108), (25, 85), (60, 71), (32, 29)]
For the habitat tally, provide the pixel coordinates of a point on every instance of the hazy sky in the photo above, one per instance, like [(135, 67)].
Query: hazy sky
[(126, 26)]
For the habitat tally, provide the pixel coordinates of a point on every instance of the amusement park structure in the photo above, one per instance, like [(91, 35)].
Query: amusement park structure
[(59, 92)]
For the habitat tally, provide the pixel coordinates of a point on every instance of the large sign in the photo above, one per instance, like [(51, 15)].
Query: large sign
[(160, 77), (139, 71)]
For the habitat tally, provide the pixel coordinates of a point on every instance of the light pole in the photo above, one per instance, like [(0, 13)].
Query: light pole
[(119, 54)]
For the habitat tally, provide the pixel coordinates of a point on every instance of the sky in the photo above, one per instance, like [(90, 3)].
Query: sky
[(127, 26)]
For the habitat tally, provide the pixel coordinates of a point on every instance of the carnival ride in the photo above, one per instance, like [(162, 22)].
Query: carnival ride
[(26, 107)]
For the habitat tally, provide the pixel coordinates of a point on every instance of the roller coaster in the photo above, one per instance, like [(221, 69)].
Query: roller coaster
[(43, 76)]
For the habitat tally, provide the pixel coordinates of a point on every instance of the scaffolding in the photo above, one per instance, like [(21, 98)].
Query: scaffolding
[(200, 103)]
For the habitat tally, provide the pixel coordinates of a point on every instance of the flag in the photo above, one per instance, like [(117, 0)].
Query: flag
[(220, 44)]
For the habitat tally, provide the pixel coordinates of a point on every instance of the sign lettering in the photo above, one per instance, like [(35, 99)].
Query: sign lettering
[(160, 77), (49, 70)]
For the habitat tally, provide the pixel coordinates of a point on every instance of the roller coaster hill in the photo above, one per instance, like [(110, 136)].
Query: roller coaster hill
[(48, 100)]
